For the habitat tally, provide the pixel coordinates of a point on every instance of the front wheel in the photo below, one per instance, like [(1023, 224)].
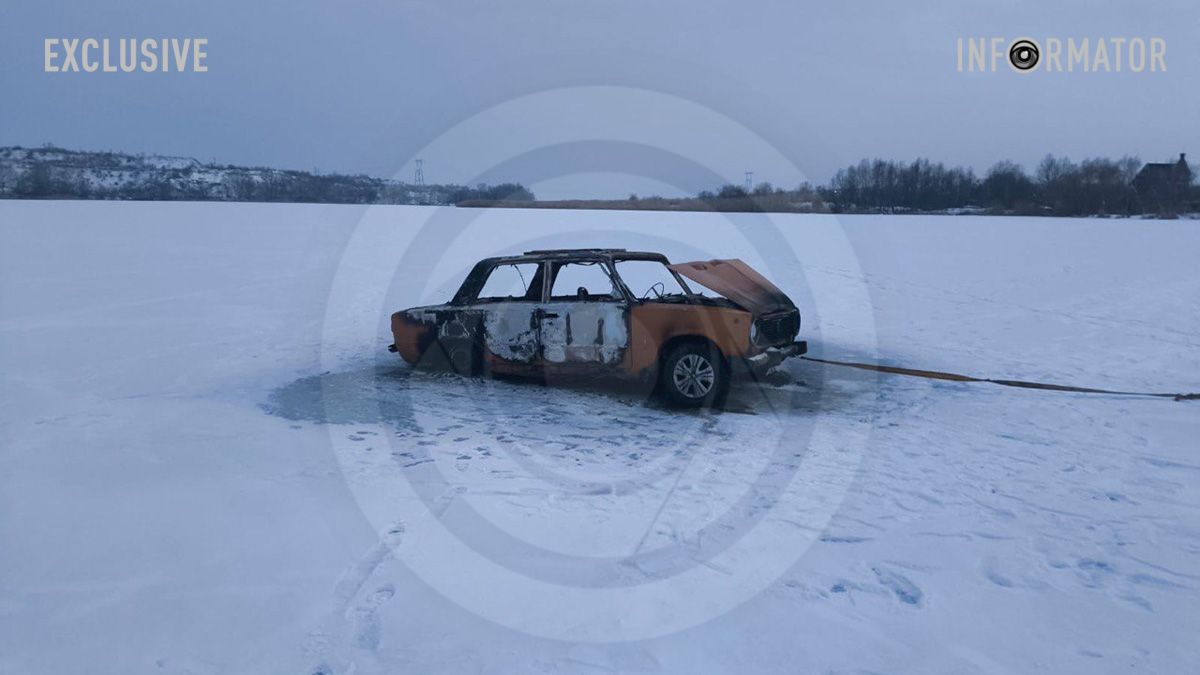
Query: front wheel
[(694, 375)]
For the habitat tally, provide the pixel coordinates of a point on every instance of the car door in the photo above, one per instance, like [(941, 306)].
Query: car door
[(509, 304), (585, 319)]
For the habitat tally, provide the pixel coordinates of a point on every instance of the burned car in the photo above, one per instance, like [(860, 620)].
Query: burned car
[(607, 311)]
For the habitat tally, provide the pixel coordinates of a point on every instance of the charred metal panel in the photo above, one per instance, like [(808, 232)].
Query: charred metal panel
[(511, 330), (451, 326), (411, 336), (584, 332), (455, 326)]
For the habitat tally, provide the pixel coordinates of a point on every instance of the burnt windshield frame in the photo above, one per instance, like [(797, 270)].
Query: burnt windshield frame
[(688, 292)]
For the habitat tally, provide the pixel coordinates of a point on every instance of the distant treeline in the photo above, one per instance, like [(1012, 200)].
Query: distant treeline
[(55, 173), (1057, 187)]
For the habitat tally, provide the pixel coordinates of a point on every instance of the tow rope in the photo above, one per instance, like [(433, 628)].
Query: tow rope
[(955, 377)]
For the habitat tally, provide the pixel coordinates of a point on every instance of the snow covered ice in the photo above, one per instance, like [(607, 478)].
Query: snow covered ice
[(210, 464)]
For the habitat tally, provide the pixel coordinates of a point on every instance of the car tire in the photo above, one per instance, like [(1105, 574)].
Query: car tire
[(694, 375)]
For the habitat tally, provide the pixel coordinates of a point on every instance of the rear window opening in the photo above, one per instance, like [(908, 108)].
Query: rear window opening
[(511, 282)]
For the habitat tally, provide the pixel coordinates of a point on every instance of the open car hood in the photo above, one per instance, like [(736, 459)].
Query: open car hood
[(738, 282)]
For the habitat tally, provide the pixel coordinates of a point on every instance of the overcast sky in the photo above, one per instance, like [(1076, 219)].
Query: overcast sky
[(364, 86)]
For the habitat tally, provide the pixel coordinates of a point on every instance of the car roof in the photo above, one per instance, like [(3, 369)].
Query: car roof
[(568, 254)]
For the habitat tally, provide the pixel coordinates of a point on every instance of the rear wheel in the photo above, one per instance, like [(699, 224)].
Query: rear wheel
[(694, 375)]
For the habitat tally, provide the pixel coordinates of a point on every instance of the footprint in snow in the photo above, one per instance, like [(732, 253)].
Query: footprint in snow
[(990, 569), (901, 586), (367, 627), (1093, 573), (997, 578)]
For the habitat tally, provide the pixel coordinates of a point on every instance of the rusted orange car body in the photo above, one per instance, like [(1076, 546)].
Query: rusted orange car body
[(546, 324)]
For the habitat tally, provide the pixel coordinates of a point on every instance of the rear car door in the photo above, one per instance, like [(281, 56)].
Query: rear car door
[(509, 301)]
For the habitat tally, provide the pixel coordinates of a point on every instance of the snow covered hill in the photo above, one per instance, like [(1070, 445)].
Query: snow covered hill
[(50, 172), (210, 464)]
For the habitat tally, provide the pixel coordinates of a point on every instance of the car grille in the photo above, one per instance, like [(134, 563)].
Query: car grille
[(779, 328)]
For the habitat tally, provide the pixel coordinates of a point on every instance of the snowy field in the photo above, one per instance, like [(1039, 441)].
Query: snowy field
[(210, 464)]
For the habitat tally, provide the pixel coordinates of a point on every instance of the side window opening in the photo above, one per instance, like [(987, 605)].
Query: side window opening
[(583, 281), (509, 282)]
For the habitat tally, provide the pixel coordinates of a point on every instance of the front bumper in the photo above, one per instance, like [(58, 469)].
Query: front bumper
[(773, 356)]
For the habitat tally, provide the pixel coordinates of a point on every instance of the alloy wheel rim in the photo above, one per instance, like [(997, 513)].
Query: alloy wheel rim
[(694, 376)]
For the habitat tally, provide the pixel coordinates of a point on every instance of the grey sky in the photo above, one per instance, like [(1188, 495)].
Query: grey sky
[(361, 86)]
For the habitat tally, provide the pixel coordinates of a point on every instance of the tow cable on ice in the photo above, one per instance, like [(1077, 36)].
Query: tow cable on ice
[(955, 377)]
